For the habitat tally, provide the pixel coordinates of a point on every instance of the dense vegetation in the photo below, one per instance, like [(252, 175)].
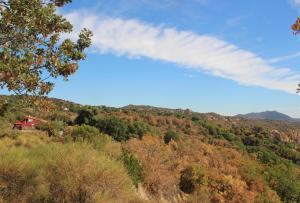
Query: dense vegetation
[(145, 154)]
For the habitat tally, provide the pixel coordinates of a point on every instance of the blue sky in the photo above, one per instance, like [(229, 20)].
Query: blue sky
[(220, 56)]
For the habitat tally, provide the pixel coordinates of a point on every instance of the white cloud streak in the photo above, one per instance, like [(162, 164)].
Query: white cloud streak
[(284, 58), (295, 3), (187, 49)]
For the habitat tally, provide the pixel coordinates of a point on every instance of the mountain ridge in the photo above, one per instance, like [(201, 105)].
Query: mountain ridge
[(269, 115)]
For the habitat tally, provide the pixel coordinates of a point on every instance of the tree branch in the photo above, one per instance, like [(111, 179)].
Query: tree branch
[(4, 4)]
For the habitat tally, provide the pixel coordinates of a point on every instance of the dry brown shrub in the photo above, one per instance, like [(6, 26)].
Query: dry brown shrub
[(158, 163), (62, 173), (228, 181)]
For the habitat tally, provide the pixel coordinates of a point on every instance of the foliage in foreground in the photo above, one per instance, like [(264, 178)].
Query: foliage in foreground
[(61, 173), (31, 52)]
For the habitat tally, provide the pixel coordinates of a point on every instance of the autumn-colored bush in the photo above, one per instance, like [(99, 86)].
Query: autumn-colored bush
[(62, 173), (205, 172), (158, 164)]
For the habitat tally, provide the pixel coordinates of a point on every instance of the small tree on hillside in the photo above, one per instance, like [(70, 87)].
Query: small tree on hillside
[(115, 127), (87, 116), (171, 135)]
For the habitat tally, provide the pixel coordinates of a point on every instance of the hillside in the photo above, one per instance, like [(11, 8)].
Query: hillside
[(145, 154), (268, 115)]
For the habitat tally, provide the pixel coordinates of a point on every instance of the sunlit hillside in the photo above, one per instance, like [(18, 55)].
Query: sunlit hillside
[(145, 154)]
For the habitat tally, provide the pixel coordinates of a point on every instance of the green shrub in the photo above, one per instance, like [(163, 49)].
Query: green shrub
[(210, 128), (58, 125), (86, 116), (239, 144), (53, 128), (43, 126), (284, 182), (288, 153), (138, 129), (171, 135), (75, 108), (9, 133), (89, 134), (267, 157), (192, 178), (84, 132), (251, 141), (195, 118), (133, 167), (260, 131), (115, 127), (6, 129), (228, 136), (61, 116)]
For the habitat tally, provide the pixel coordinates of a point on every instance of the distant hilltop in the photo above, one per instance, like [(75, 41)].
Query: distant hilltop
[(153, 108), (265, 115), (269, 115)]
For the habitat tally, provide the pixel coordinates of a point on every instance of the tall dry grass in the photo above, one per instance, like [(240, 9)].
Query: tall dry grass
[(54, 172)]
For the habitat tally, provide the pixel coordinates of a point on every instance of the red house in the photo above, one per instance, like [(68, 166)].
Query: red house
[(28, 122)]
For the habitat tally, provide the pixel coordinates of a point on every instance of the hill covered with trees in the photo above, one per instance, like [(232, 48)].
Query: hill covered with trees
[(269, 115), (145, 154)]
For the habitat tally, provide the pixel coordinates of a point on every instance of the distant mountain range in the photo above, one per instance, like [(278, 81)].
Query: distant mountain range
[(269, 115), (266, 115)]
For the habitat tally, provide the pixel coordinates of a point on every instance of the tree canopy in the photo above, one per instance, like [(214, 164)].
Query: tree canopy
[(32, 53)]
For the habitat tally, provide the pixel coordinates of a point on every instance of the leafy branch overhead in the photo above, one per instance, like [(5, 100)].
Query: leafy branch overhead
[(31, 51), (296, 28)]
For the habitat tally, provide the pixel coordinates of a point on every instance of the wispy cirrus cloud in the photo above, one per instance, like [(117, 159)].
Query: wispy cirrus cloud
[(187, 49), (295, 3), (284, 58)]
